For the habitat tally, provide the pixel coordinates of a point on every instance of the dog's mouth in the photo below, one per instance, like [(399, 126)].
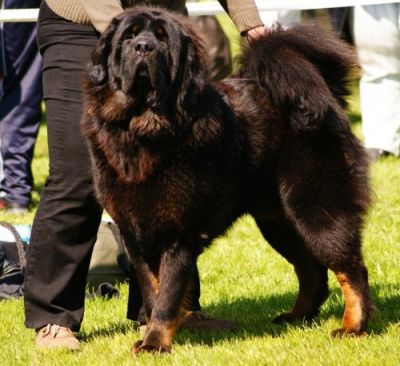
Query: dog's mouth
[(143, 87), (138, 81), (145, 79), (142, 76)]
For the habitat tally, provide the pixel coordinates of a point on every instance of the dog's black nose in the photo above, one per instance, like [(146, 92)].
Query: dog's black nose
[(144, 47)]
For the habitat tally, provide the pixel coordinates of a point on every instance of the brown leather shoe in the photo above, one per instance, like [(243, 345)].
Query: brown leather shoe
[(52, 336)]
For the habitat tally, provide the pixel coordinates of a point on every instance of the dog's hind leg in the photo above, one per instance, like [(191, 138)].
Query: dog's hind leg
[(176, 271), (333, 238), (352, 275), (353, 279), (312, 276)]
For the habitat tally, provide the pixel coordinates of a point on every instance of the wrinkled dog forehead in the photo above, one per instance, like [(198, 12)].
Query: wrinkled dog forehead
[(166, 31), (137, 21), (160, 47)]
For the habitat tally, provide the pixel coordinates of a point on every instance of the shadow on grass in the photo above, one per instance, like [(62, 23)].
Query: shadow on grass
[(254, 317), (121, 327)]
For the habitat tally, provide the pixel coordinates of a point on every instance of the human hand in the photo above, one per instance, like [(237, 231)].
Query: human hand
[(257, 33)]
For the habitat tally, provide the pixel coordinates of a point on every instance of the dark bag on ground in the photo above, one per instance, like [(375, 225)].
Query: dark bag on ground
[(12, 265), (109, 263)]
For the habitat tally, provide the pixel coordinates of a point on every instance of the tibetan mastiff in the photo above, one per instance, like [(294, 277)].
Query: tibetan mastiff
[(177, 158)]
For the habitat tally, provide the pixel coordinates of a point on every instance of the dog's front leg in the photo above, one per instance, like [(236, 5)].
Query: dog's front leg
[(149, 283), (177, 265)]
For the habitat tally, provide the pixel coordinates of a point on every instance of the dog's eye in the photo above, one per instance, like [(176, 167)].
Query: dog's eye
[(135, 30), (125, 38), (160, 32)]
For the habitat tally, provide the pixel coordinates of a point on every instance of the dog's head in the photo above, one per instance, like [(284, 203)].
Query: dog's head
[(151, 56)]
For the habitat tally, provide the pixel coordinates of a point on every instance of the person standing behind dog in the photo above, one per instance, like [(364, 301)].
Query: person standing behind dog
[(217, 45), (376, 32), (67, 219), (20, 108)]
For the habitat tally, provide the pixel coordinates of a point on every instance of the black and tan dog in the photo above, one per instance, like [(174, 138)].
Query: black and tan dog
[(176, 159)]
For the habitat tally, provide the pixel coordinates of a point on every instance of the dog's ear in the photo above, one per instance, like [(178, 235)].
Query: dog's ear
[(98, 67), (192, 73)]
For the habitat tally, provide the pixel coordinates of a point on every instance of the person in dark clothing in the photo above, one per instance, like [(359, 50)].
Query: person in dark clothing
[(20, 108)]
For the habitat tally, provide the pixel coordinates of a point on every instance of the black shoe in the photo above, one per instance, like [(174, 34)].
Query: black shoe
[(376, 154), (12, 207)]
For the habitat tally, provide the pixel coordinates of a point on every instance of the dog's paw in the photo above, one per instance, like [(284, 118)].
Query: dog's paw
[(343, 332), (285, 318), (292, 317), (136, 347), (140, 346)]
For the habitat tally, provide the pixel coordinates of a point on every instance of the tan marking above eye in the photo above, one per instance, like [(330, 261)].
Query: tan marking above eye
[(135, 29), (160, 31)]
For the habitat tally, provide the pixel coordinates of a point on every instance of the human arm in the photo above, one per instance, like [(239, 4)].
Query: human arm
[(245, 15), (100, 12)]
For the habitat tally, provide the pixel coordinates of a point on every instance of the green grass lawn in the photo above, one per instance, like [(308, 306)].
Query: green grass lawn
[(243, 279)]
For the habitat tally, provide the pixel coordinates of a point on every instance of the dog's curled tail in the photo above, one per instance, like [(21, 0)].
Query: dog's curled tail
[(305, 69)]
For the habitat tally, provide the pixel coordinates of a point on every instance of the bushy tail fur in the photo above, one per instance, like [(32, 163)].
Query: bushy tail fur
[(305, 69)]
